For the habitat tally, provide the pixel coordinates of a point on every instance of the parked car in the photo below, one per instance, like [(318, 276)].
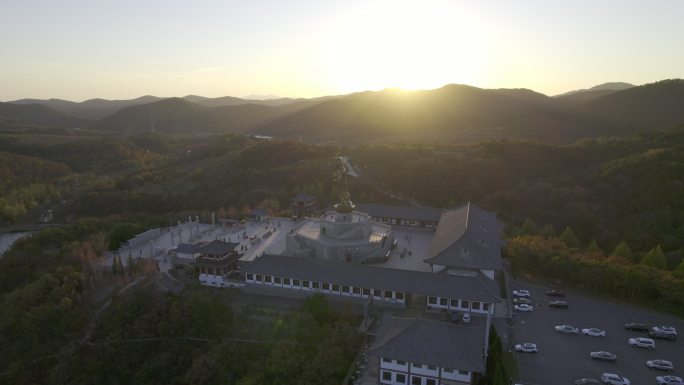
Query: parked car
[(522, 300), (637, 327), (558, 304), (566, 329), (603, 356), (526, 347), (660, 365), (555, 293), (521, 293), (641, 342), (669, 380), (594, 332), (661, 335), (665, 329), (614, 379), (466, 318), (587, 381), (524, 307)]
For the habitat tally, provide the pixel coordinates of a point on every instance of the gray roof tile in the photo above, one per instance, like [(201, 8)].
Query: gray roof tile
[(431, 342), (467, 237), (473, 288)]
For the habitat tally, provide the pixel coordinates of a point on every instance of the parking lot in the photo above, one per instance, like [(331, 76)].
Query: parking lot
[(562, 358)]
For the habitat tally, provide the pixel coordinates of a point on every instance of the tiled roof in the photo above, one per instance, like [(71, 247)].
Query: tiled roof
[(431, 342)]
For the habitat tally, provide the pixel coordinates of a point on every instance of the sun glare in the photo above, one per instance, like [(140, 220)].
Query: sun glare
[(406, 45)]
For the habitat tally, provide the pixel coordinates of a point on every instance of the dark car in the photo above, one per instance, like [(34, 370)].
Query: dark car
[(637, 327), (663, 336), (555, 293), (558, 304)]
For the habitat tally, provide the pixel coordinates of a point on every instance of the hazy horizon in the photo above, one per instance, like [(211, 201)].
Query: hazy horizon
[(78, 50)]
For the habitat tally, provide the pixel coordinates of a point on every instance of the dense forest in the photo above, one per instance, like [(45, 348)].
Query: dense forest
[(608, 209)]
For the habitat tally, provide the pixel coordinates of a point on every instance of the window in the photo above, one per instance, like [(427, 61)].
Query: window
[(295, 282), (250, 277), (356, 290), (377, 293), (485, 306), (325, 286), (315, 285), (286, 281), (387, 360), (463, 372), (388, 294), (416, 380), (442, 301), (387, 376), (345, 289), (401, 362), (401, 378), (276, 279), (267, 278), (465, 304), (399, 296), (454, 302), (432, 300), (476, 305), (258, 277), (430, 367), (305, 283), (366, 291), (431, 381), (336, 287)]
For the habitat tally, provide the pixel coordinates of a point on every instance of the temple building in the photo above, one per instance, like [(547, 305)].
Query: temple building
[(467, 242), (216, 261), (303, 205), (414, 351)]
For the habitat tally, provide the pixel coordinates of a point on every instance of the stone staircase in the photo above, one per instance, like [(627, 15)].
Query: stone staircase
[(415, 305)]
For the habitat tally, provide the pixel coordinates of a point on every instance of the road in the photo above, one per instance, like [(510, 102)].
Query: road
[(354, 172), (562, 358)]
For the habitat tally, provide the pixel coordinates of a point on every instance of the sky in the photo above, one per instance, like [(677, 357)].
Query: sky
[(121, 49)]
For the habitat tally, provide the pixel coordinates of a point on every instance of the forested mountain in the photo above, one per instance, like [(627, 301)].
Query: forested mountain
[(656, 105), (453, 114), (89, 109), (35, 114)]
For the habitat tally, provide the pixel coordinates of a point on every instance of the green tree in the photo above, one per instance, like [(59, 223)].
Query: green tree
[(547, 231), (655, 258), (593, 247), (622, 250), (528, 227), (570, 239), (679, 270)]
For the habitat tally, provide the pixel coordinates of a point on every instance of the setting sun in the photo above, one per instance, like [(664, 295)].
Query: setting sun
[(400, 44)]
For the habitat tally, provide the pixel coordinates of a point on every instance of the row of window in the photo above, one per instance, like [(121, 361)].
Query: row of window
[(325, 286), (457, 303), (387, 377), (424, 366), (213, 270)]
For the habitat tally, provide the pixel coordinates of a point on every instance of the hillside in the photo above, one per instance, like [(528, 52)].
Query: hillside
[(451, 113), (89, 109), (651, 106), (36, 114)]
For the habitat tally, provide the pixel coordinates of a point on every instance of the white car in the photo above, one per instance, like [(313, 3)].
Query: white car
[(566, 329), (641, 342), (669, 380), (614, 379), (665, 330), (526, 347), (660, 365), (594, 332), (521, 293), (524, 307)]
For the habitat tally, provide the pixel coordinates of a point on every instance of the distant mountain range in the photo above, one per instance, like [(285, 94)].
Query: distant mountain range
[(450, 113)]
